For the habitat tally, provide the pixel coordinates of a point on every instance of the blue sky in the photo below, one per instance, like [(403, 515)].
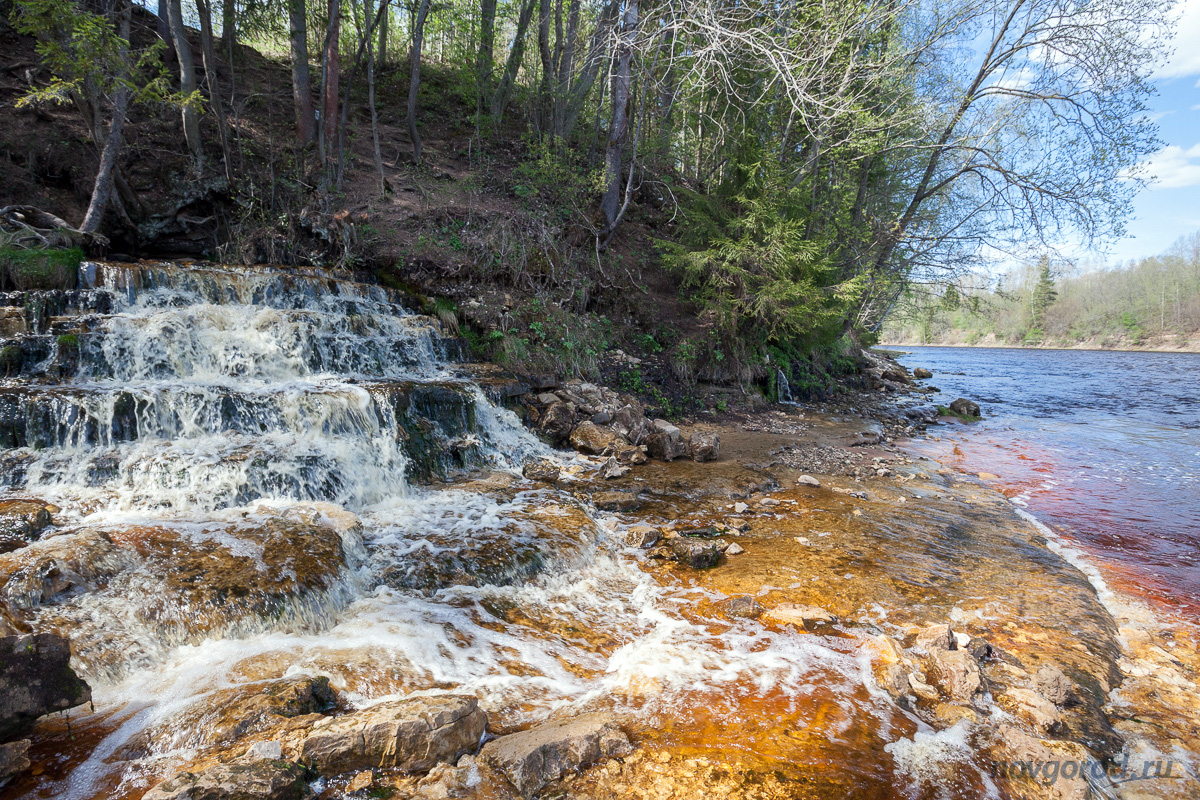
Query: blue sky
[(1170, 207)]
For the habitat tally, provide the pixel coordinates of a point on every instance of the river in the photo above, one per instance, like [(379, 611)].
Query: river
[(1104, 447)]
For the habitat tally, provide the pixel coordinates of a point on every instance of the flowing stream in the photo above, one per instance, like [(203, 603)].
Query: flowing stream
[(266, 473)]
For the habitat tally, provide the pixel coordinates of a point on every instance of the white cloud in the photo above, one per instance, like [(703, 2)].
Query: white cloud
[(1186, 59), (1174, 167)]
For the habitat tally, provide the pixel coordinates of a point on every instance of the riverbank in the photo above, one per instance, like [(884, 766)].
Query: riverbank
[(1171, 344)]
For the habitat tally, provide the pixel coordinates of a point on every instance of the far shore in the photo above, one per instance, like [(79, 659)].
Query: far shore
[(1192, 346)]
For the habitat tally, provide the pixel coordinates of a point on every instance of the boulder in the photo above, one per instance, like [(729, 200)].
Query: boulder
[(36, 679), (630, 422), (808, 480), (557, 422), (741, 607), (965, 407), (956, 673), (541, 470), (697, 553), (266, 779), (631, 454), (14, 759), (922, 374), (1032, 709), (22, 521), (663, 447), (704, 446), (411, 735), (1053, 684), (588, 437), (231, 714), (532, 758)]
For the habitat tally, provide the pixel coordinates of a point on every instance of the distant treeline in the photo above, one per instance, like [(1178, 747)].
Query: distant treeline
[(1151, 302)]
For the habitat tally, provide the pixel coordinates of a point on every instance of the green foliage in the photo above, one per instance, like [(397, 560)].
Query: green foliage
[(556, 182), (68, 341), (753, 268), (82, 49), (39, 268)]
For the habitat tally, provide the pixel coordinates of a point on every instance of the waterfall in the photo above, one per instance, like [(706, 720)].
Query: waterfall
[(783, 389)]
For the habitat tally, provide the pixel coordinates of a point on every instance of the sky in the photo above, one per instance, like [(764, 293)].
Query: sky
[(1170, 207)]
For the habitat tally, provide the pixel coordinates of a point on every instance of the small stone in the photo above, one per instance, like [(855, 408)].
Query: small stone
[(616, 501), (361, 781), (697, 553), (740, 508), (922, 374), (734, 549), (601, 418), (956, 673), (742, 607), (612, 469), (795, 614), (641, 536), (936, 637), (541, 470), (978, 648), (808, 480), (705, 446), (894, 680)]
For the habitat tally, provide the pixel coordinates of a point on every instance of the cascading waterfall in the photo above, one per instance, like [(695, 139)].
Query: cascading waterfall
[(206, 432)]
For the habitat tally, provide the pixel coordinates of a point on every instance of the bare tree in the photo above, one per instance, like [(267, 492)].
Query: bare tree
[(187, 82), (301, 86), (414, 80)]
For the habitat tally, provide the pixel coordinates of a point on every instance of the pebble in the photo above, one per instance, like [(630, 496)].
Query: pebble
[(734, 549), (739, 508), (808, 480)]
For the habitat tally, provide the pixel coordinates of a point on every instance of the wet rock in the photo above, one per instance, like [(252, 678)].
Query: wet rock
[(362, 781), (741, 607), (631, 454), (956, 673), (936, 637), (36, 679), (616, 501), (1019, 752), (259, 750), (894, 680), (411, 735), (588, 437), (14, 759), (947, 715), (256, 780), (704, 446), (532, 758), (612, 469), (927, 414), (799, 615), (557, 422), (602, 418), (22, 521), (921, 689), (697, 553), (922, 374), (1031, 708), (979, 649), (469, 778), (807, 480), (234, 713), (1053, 684), (663, 447), (641, 536), (734, 549), (542, 470), (965, 407), (11, 623)]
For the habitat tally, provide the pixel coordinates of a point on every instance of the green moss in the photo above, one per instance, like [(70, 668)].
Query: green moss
[(40, 268), (946, 411), (68, 341)]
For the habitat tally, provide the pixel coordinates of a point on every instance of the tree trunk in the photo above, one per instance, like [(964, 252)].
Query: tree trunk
[(566, 66), (619, 128), (597, 56), (214, 91), (301, 84), (187, 81), (487, 52), (371, 92), (381, 56), (102, 188), (414, 81), (228, 26), (163, 27), (543, 101), (515, 55), (329, 109)]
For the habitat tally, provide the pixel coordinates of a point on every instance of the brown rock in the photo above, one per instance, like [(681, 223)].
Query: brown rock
[(936, 637), (557, 422), (956, 673), (641, 536), (22, 521), (588, 437), (256, 780), (794, 614), (922, 374), (14, 759), (1053, 684), (742, 607), (411, 735), (616, 501), (704, 446), (611, 468), (36, 679), (662, 447), (697, 553), (1032, 709), (532, 758), (541, 470)]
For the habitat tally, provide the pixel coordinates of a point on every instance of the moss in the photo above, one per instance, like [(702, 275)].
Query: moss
[(40, 268), (946, 411), (68, 341)]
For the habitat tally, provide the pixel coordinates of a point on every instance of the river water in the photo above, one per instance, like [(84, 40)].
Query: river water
[(1104, 447)]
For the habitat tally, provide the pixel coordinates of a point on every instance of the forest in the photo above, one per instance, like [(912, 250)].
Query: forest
[(1153, 303), (736, 186)]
